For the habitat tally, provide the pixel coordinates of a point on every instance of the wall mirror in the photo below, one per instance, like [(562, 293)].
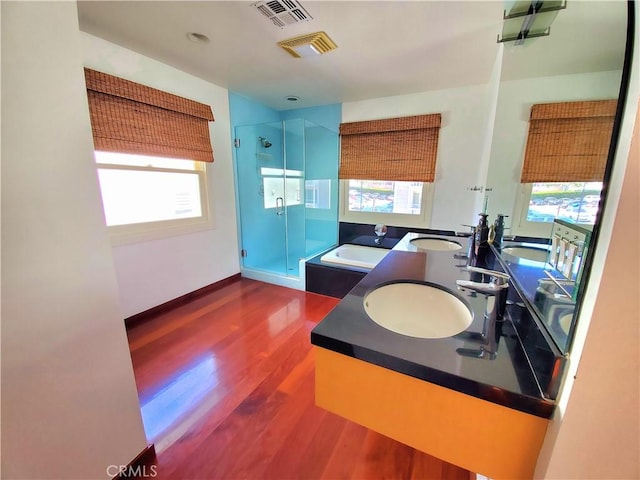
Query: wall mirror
[(581, 60)]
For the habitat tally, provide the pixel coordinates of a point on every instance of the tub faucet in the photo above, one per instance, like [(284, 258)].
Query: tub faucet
[(496, 290), (380, 231)]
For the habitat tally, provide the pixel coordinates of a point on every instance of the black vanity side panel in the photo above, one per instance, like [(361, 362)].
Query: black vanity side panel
[(331, 281)]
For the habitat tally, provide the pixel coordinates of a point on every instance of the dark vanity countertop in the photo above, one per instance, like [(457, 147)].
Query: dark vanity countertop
[(507, 380)]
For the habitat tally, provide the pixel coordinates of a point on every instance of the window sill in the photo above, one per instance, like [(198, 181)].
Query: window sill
[(146, 232)]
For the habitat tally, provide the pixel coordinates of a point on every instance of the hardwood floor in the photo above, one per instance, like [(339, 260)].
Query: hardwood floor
[(226, 387)]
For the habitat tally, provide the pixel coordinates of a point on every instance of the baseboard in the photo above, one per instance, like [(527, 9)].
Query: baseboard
[(171, 304), (143, 466), (296, 283)]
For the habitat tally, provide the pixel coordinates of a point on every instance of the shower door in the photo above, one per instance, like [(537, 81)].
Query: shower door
[(270, 175)]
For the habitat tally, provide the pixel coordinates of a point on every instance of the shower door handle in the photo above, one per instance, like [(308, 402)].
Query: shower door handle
[(279, 206)]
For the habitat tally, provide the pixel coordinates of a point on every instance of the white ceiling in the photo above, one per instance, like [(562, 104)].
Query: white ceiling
[(385, 48)]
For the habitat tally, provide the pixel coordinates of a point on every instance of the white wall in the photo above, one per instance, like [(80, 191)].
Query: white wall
[(69, 400), (491, 109), (512, 121), (153, 272), (465, 123), (469, 132)]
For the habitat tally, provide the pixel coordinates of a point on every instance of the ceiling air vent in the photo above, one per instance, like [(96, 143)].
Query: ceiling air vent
[(283, 12), (308, 45)]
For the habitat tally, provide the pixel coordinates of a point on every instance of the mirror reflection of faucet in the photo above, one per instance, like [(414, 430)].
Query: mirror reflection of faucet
[(496, 290), (496, 231)]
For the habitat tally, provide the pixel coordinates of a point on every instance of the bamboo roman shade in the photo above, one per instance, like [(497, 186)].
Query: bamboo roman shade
[(128, 117), (398, 149), (568, 142)]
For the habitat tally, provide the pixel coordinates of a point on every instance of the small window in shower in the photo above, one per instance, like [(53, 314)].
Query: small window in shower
[(276, 186)]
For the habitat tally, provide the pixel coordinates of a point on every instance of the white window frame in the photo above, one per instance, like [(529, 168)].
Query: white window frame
[(521, 226), (147, 231), (396, 219)]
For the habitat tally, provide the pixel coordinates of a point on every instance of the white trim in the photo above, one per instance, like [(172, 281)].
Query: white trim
[(143, 232), (520, 225)]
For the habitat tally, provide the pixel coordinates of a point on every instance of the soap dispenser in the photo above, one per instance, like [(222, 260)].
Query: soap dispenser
[(482, 232), (498, 230)]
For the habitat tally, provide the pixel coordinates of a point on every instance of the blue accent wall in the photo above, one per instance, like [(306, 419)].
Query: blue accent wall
[(309, 229), (245, 111), (328, 116)]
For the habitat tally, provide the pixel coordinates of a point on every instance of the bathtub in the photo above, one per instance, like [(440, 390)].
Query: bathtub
[(355, 255)]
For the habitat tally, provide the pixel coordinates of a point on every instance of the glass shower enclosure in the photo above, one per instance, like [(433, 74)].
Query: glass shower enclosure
[(287, 183)]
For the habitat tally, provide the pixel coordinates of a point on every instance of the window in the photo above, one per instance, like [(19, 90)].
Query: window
[(541, 203), (385, 196), (148, 197), (416, 197), (384, 201), (150, 152), (564, 161), (387, 170)]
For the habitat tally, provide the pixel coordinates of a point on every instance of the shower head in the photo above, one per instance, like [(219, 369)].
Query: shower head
[(265, 143)]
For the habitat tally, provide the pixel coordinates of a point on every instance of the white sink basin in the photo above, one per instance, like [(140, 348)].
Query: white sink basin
[(417, 310), (436, 244), (528, 253)]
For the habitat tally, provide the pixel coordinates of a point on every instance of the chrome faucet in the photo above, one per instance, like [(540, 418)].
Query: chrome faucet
[(380, 231), (496, 290), (471, 246)]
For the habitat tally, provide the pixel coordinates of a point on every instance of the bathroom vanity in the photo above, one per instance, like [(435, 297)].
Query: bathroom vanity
[(486, 411)]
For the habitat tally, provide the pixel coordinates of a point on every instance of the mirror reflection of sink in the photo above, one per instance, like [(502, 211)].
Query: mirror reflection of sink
[(535, 254), (421, 310), (435, 244), (565, 322)]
